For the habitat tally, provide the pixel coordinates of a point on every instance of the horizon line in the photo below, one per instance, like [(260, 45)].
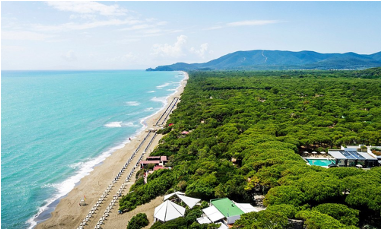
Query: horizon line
[(66, 69)]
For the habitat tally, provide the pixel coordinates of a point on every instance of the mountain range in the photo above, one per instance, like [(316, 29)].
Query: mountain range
[(280, 60)]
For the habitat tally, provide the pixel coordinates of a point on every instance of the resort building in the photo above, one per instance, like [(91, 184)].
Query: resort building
[(348, 157), (375, 151), (156, 160), (225, 211)]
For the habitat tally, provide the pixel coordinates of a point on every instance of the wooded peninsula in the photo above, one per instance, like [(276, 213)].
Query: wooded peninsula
[(238, 134)]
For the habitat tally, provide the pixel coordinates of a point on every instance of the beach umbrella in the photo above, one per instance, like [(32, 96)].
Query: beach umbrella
[(168, 211), (189, 201), (323, 152), (82, 202)]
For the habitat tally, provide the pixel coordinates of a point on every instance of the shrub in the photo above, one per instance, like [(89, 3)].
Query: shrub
[(138, 221)]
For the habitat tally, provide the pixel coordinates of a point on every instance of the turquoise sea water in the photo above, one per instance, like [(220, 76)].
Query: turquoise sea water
[(57, 125)]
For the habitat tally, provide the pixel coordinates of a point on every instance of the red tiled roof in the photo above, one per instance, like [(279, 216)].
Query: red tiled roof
[(158, 167), (153, 157), (163, 158), (149, 162)]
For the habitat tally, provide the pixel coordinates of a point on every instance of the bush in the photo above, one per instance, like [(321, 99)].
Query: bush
[(178, 223), (317, 220), (340, 212), (138, 221)]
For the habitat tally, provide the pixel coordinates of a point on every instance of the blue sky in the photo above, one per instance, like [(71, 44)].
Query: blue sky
[(138, 35)]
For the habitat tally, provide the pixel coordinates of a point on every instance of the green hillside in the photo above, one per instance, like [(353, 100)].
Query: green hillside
[(281, 60)]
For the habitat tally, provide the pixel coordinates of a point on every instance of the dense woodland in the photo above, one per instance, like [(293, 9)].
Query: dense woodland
[(262, 121)]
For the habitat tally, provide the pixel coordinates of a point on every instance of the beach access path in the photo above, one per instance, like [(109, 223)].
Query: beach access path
[(68, 214)]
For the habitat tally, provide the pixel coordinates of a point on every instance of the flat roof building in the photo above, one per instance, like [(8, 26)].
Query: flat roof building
[(156, 160), (351, 157), (225, 210)]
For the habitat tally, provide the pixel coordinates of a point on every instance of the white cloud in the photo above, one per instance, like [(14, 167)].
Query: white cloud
[(214, 28), (145, 26), (161, 23), (89, 8), (244, 23), (129, 56), (252, 23), (127, 40), (166, 50), (69, 56), (83, 16), (137, 27), (203, 49), (12, 48), (83, 26), (24, 35), (152, 31), (126, 59)]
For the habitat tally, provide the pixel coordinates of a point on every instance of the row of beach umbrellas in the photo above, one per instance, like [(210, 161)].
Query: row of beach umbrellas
[(314, 152), (106, 192)]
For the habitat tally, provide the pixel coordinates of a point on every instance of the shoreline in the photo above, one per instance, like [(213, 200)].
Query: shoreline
[(67, 213)]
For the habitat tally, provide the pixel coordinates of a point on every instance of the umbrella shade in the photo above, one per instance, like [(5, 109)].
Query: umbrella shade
[(190, 202), (171, 194), (314, 152), (168, 211)]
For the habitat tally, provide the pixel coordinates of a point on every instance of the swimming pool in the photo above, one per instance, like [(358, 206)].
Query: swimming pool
[(320, 162)]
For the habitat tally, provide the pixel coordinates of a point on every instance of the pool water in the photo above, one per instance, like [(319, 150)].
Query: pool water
[(320, 162)]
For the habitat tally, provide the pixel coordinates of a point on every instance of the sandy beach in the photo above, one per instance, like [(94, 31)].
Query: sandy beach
[(68, 214)]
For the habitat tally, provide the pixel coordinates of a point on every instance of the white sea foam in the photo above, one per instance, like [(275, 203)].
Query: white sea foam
[(49, 185), (115, 124), (149, 109), (172, 90), (164, 85), (66, 186), (76, 165), (151, 91), (159, 99), (129, 124), (133, 103), (86, 167)]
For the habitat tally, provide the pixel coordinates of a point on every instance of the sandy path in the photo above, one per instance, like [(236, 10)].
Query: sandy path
[(68, 214)]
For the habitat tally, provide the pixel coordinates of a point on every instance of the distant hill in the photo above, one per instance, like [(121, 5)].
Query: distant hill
[(280, 60)]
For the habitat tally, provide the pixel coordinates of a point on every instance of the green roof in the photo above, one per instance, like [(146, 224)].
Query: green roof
[(227, 207)]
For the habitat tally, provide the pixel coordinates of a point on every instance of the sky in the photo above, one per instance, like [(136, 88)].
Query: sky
[(84, 35)]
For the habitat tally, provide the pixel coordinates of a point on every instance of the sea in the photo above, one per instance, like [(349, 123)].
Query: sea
[(57, 125)]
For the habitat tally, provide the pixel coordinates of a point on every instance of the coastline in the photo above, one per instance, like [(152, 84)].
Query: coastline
[(68, 214)]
